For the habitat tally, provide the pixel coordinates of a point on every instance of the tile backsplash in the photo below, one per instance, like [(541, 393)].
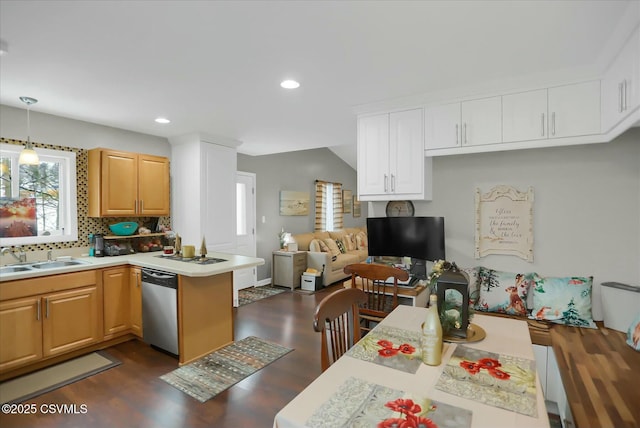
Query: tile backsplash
[(86, 225)]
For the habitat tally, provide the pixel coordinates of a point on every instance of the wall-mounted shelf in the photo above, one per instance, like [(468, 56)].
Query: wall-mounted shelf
[(133, 236)]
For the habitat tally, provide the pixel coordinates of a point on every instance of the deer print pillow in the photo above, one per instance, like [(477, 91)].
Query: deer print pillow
[(504, 292), (563, 300)]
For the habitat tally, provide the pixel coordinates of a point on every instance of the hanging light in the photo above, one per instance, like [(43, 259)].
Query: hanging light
[(28, 155)]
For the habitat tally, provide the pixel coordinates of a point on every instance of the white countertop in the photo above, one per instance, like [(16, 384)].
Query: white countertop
[(152, 260)]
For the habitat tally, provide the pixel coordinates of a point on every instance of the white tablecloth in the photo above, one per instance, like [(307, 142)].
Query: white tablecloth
[(504, 336)]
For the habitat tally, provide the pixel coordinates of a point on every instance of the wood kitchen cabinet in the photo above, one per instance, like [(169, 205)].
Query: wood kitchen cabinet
[(48, 316), (124, 184), (135, 300), (391, 162), (117, 301), (21, 332), (70, 320)]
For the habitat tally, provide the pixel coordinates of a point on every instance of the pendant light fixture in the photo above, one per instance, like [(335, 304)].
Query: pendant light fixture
[(28, 155)]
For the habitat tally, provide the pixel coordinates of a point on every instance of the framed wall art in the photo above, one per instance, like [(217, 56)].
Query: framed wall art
[(294, 203), (356, 207), (347, 199), (504, 222)]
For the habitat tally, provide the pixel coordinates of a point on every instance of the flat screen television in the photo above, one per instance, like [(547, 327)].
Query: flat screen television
[(421, 238)]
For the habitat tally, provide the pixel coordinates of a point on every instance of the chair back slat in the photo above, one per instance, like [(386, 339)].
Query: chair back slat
[(337, 318), (382, 297)]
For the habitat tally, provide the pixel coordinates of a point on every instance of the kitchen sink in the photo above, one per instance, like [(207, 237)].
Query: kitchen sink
[(57, 264), (13, 269)]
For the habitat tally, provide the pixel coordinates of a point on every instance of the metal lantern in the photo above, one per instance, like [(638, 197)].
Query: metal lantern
[(453, 279)]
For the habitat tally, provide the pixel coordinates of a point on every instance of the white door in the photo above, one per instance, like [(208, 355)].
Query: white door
[(574, 110), (245, 230)]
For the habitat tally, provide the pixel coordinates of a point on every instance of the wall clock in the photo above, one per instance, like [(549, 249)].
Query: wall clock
[(400, 209)]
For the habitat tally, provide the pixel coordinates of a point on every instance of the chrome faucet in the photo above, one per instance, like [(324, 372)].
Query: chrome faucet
[(49, 257), (21, 257)]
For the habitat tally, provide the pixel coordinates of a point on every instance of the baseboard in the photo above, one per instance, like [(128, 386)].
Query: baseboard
[(263, 282)]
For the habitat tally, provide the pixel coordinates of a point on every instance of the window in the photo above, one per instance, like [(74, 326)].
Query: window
[(37, 202), (328, 206)]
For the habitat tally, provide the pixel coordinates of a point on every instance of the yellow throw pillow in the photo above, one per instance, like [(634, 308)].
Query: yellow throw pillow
[(323, 246), (333, 247)]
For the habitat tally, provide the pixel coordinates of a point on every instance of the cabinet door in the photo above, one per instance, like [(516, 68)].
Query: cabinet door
[(373, 155), (524, 116), (481, 121), (70, 320), (119, 183), (442, 126), (153, 185), (621, 84), (21, 332), (218, 216), (135, 300), (117, 307), (406, 152), (574, 110)]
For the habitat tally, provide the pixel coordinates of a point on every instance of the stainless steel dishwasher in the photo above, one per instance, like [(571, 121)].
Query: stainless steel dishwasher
[(160, 309)]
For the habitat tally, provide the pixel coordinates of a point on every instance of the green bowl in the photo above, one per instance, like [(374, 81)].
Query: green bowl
[(124, 229)]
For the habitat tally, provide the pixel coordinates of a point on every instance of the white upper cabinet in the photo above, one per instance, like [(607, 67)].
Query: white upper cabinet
[(442, 126), (391, 162), (524, 116), (574, 110), (373, 154), (621, 84), (466, 123), (562, 111), (481, 121)]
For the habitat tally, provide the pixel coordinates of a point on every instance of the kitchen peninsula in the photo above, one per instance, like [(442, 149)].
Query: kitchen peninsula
[(94, 300)]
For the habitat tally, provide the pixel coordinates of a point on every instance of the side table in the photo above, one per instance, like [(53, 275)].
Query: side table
[(287, 268)]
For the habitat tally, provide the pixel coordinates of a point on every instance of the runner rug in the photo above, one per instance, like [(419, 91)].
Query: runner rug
[(31, 385), (210, 375), (252, 294)]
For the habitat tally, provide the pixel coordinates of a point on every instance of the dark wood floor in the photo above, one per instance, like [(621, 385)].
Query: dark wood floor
[(132, 395)]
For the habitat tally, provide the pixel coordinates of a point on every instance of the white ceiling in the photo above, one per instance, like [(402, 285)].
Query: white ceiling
[(216, 66)]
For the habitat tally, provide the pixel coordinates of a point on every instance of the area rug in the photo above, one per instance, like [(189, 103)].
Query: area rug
[(210, 375), (31, 385), (253, 294)]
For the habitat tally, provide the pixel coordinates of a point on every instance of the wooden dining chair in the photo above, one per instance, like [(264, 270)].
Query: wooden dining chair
[(337, 319), (382, 297)]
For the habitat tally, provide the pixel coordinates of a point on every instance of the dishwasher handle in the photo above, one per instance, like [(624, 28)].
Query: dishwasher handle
[(155, 277)]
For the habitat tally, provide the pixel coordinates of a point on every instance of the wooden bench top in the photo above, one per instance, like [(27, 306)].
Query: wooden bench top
[(600, 374)]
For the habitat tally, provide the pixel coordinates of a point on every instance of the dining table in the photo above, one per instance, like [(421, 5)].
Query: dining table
[(345, 394)]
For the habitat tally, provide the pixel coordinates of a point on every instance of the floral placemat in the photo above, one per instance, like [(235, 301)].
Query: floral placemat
[(390, 347), (359, 403), (497, 380)]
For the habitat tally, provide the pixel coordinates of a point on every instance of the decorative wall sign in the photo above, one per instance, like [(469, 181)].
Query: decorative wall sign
[(356, 207), (294, 203), (347, 197), (504, 222)]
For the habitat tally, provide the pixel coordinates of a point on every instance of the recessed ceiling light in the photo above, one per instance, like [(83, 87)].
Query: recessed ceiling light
[(290, 84), (162, 120)]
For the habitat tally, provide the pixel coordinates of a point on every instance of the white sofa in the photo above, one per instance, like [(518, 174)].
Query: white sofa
[(331, 265)]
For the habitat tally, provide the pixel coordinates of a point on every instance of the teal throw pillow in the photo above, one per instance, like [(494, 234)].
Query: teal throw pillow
[(341, 246), (633, 335), (564, 300)]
